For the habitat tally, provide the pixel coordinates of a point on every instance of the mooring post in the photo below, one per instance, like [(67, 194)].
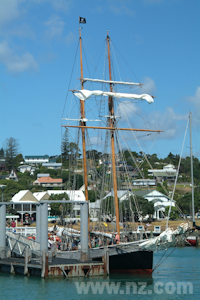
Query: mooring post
[(44, 227), (45, 264), (2, 230), (38, 223), (44, 238), (27, 259), (105, 260), (84, 231)]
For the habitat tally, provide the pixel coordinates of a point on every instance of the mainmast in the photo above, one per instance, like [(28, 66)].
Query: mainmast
[(112, 124), (83, 124)]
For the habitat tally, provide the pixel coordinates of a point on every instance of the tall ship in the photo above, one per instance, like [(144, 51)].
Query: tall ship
[(125, 256)]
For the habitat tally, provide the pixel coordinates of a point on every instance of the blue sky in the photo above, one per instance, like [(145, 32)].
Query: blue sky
[(38, 40)]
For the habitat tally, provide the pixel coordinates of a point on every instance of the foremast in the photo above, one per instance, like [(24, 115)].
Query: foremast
[(191, 160), (112, 125)]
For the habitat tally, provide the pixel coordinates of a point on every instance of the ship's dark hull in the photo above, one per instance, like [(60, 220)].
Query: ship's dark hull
[(137, 262), (133, 262)]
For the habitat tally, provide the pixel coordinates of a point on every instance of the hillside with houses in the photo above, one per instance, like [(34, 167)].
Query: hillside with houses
[(146, 178)]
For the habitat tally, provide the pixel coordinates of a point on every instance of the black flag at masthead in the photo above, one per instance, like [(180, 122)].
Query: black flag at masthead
[(82, 20)]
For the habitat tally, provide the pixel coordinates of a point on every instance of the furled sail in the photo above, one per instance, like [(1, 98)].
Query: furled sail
[(166, 239), (111, 81), (86, 94)]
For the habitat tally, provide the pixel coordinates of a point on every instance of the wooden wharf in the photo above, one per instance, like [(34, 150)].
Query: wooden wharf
[(19, 255)]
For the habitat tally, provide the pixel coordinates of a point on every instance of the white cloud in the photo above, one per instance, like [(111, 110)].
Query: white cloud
[(195, 101), (149, 85), (15, 63), (70, 38), (59, 5), (62, 5), (9, 10), (55, 27), (126, 109), (169, 122), (153, 1), (22, 30), (121, 9)]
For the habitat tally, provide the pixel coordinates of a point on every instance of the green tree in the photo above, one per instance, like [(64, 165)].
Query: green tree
[(162, 188), (57, 209), (11, 148), (73, 152), (1, 153), (93, 195), (18, 159), (65, 146), (173, 213), (93, 154), (145, 207), (185, 202)]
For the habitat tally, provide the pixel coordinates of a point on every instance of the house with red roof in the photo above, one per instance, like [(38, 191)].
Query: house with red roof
[(47, 181)]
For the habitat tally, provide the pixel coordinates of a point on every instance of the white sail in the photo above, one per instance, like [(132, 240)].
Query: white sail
[(111, 81), (86, 94)]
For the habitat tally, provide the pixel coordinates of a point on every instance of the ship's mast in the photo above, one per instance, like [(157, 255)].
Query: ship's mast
[(191, 159), (83, 124), (112, 124)]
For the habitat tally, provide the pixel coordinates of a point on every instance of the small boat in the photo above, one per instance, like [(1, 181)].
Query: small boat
[(192, 240)]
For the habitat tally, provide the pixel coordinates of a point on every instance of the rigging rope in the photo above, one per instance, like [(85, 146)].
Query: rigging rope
[(158, 264), (177, 174)]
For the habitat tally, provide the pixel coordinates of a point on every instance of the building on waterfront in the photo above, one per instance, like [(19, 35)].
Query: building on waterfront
[(25, 209), (30, 208)]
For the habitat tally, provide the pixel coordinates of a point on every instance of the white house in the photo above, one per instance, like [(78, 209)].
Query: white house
[(160, 201), (26, 168), (144, 182), (52, 165), (23, 209), (36, 159), (41, 196), (167, 173)]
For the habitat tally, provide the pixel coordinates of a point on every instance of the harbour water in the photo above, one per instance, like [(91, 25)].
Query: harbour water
[(177, 277)]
